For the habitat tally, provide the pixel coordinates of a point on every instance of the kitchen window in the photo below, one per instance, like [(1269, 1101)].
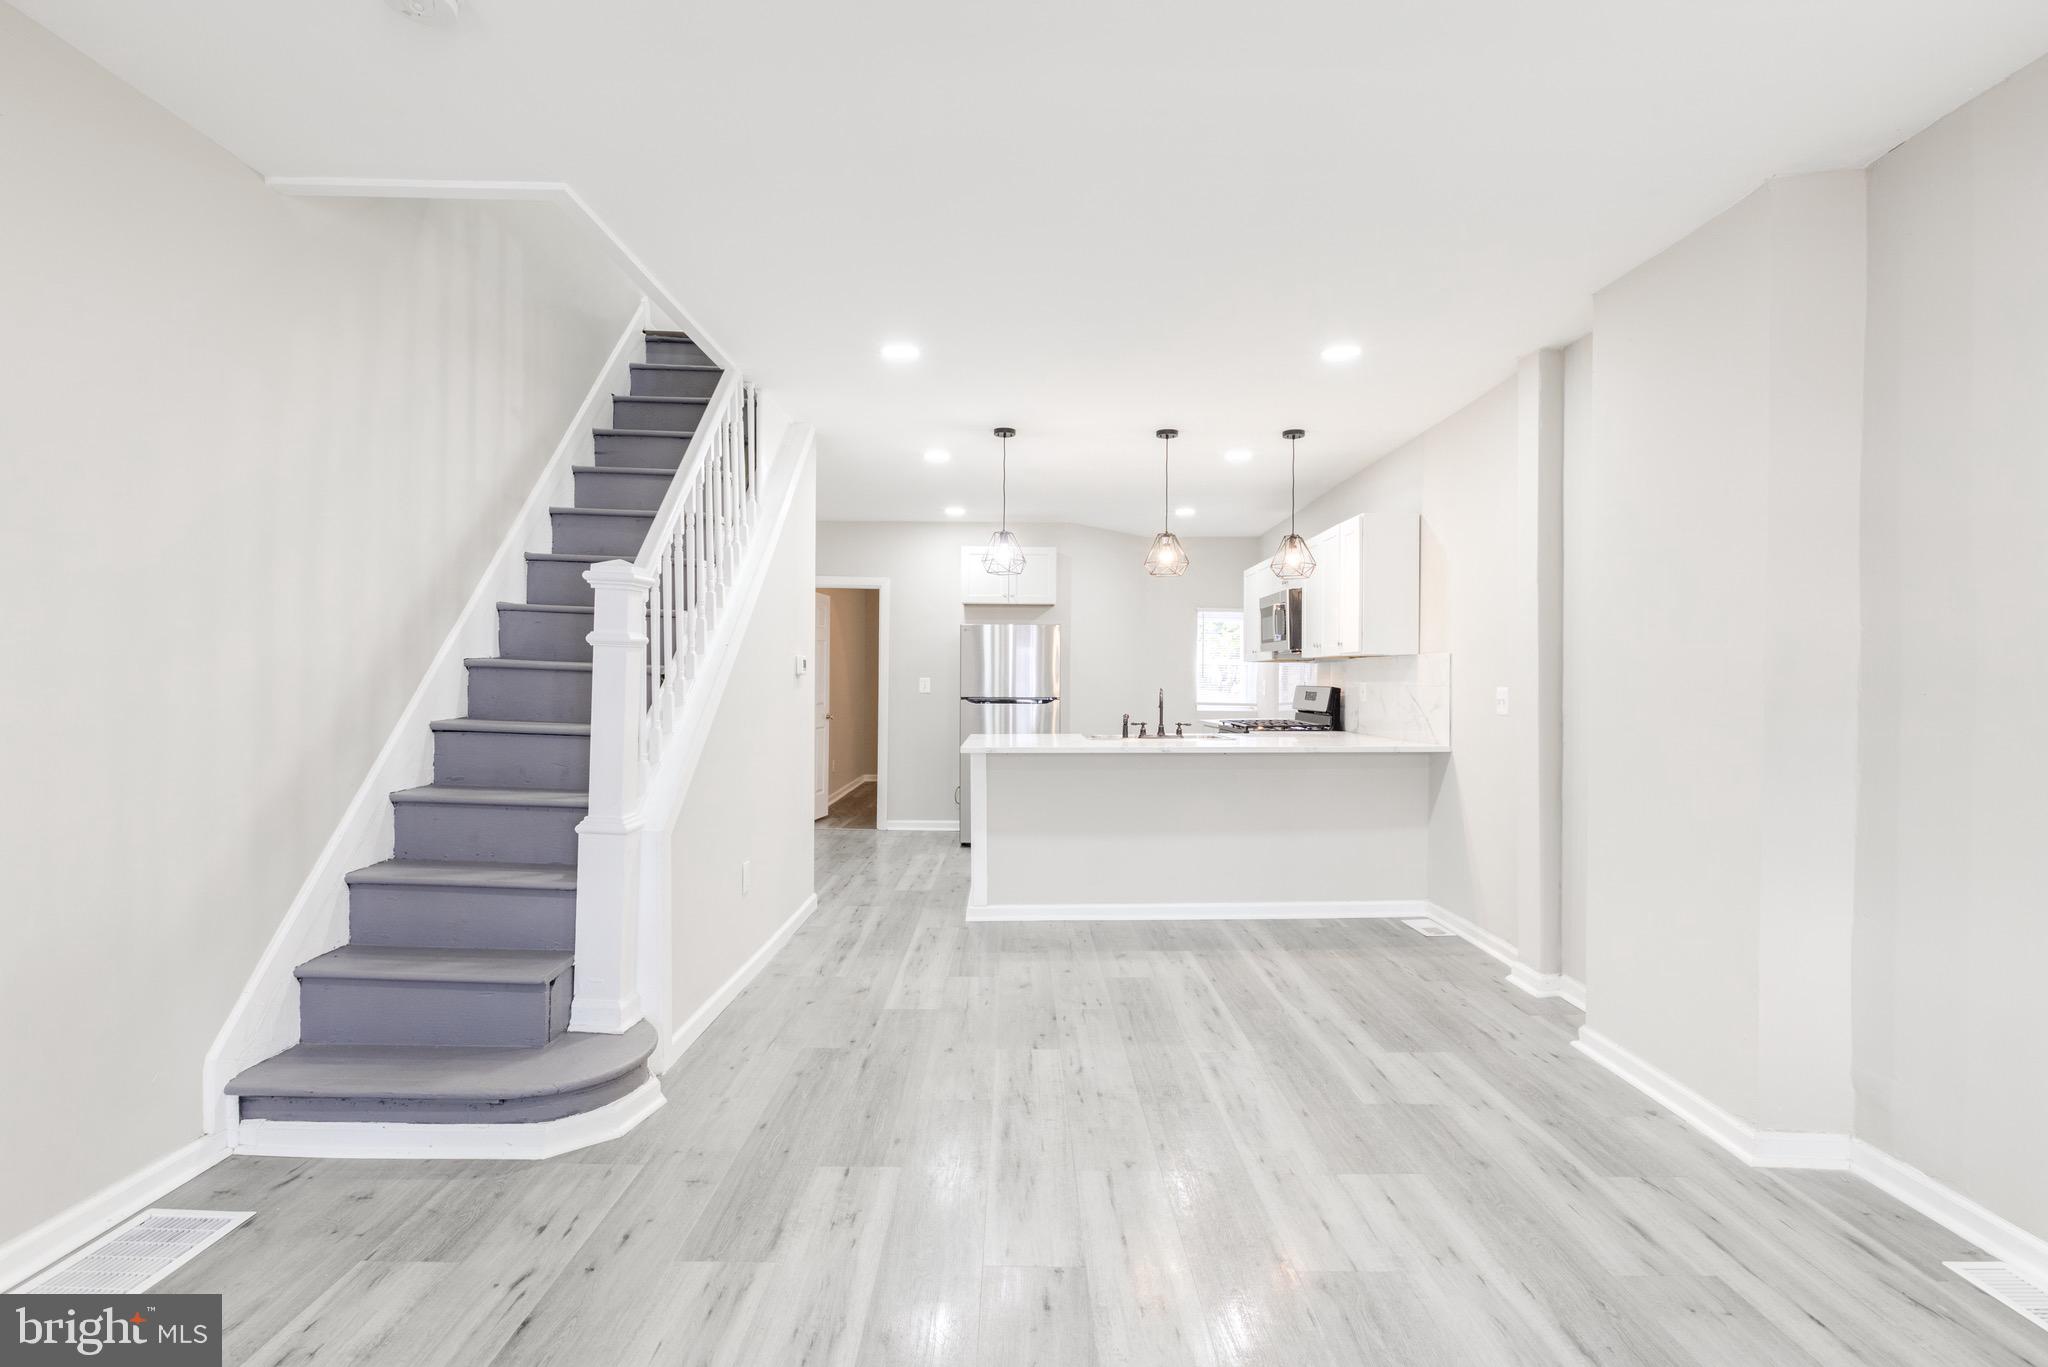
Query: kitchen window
[(1223, 681)]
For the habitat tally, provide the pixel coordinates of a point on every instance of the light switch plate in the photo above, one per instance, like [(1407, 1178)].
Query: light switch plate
[(803, 665), (924, 685), (1500, 701)]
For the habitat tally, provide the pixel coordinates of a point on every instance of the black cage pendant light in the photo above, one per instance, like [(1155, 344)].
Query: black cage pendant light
[(1292, 560), (1004, 555), (1167, 556)]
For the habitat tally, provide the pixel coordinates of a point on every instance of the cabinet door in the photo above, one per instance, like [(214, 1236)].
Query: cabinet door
[(977, 585), (1345, 629), (1039, 585), (1319, 594)]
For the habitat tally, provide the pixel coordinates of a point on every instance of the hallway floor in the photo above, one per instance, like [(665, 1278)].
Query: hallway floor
[(1306, 1144)]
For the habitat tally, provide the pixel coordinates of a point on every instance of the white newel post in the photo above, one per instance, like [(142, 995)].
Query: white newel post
[(607, 996)]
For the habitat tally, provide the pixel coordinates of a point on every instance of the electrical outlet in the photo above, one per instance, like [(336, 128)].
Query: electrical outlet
[(746, 876), (924, 685), (803, 665), (1500, 701)]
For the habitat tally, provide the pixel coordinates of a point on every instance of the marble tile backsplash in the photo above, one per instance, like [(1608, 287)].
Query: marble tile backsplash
[(1401, 697)]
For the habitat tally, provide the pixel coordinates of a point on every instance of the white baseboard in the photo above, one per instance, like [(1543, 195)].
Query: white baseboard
[(909, 825), (1548, 985), (1473, 933), (375, 1139), (1968, 1219), (1758, 1148), (2001, 1238), (848, 787), (699, 1020), (265, 1017), (27, 1254), (1196, 911)]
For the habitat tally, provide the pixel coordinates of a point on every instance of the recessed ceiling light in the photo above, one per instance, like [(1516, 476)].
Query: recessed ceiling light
[(956, 511), (900, 352), (1339, 352), (1183, 512), (1237, 455), (937, 457)]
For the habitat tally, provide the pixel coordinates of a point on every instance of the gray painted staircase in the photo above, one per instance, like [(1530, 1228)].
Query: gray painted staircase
[(450, 1003)]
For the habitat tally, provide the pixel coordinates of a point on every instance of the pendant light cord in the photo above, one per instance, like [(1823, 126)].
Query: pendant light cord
[(1166, 484), (1006, 484), (1292, 499)]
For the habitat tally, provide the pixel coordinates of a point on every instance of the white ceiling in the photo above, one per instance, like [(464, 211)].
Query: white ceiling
[(1097, 217)]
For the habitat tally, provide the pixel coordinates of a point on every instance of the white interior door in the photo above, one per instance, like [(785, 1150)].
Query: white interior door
[(821, 672)]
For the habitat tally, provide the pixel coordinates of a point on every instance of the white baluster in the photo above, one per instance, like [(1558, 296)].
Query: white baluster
[(607, 996)]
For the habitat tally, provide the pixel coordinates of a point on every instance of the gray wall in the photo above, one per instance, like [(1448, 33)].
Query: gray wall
[(1716, 646), (1952, 868), (750, 794), (1460, 478), (259, 451), (1125, 633)]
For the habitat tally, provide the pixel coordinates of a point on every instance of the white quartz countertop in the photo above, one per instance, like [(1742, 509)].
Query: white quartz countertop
[(1258, 743)]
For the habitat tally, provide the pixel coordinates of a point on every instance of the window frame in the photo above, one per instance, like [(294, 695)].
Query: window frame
[(1248, 697)]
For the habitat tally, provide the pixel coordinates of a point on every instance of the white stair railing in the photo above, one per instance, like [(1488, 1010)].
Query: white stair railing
[(653, 624)]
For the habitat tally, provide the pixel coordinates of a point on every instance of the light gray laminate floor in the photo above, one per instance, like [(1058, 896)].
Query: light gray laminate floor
[(913, 1142)]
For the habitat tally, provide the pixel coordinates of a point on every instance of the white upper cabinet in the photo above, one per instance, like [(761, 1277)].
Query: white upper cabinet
[(1037, 586), (1365, 596)]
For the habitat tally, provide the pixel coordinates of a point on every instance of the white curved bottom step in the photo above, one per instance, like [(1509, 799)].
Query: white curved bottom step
[(384, 1139)]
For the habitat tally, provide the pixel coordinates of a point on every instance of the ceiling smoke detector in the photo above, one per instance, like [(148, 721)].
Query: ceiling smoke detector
[(428, 11)]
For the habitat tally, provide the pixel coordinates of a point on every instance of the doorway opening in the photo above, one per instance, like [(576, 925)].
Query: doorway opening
[(850, 708)]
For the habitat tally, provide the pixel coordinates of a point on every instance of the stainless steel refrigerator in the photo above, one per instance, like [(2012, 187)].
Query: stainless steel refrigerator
[(1009, 686)]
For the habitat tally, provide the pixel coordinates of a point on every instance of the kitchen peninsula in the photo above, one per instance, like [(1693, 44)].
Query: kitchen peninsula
[(1071, 827)]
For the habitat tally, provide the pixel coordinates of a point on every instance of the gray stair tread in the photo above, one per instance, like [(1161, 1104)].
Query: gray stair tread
[(641, 432), (510, 662), (667, 334), (545, 607), (397, 963), (630, 471), (493, 797), (569, 1063), (512, 728), (659, 398), (569, 557), (463, 873), (701, 367), (607, 512)]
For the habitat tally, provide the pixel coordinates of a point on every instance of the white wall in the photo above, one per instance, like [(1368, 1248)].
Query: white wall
[(1460, 478), (1578, 591), (1715, 550), (1952, 917), (258, 451), (750, 795), (1124, 634)]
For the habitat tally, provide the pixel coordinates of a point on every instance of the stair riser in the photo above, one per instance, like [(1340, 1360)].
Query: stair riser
[(655, 415), (543, 635), (675, 353), (579, 534), (604, 489), (510, 835), (461, 918), (520, 1110), (634, 451), (674, 384), (495, 1015), (558, 581), (494, 759), (529, 695)]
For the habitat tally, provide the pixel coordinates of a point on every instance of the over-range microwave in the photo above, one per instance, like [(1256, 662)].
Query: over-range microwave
[(1280, 625)]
